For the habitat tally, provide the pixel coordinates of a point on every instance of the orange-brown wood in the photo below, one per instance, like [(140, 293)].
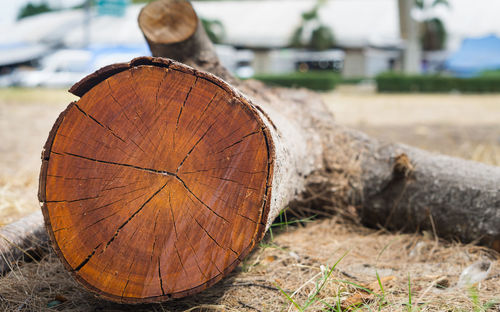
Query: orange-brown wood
[(155, 184), (161, 20)]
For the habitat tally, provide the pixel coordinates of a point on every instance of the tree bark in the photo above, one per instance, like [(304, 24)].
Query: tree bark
[(23, 239), (162, 178), (392, 185)]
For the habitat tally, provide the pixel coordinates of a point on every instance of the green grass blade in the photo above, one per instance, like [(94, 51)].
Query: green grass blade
[(290, 299)]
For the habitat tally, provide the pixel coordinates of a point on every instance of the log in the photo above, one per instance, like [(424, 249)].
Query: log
[(24, 239), (163, 177), (157, 182)]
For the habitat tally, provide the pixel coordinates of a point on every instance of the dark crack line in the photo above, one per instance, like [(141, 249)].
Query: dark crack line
[(200, 118), (94, 149), (128, 277), (129, 120), (71, 200), (157, 94), (233, 155), (195, 256), (114, 176), (222, 168), (100, 207), (172, 213), (156, 147), (133, 215), (64, 228), (160, 277), (68, 240), (197, 142), (237, 142), (225, 201), (237, 254), (203, 228), (148, 130), (78, 179), (180, 112), (156, 98), (84, 262), (230, 134), (180, 259), (205, 205), (245, 217), (99, 123), (202, 113), (236, 182), (135, 190), (156, 236), (213, 188), (82, 142), (184, 103), (117, 187), (161, 135), (100, 220), (115, 163), (109, 147)]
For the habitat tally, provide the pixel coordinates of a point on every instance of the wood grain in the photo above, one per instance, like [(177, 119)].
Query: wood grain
[(155, 184)]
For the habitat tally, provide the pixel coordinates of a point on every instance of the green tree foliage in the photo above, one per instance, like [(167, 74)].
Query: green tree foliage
[(214, 29), (31, 9), (433, 32), (312, 33), (322, 38)]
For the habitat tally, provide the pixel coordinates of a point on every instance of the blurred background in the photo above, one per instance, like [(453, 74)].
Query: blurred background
[(54, 43), (421, 72)]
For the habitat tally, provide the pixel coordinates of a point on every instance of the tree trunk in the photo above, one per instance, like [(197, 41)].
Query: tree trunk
[(23, 239), (162, 178)]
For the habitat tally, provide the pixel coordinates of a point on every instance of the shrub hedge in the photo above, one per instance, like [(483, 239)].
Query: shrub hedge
[(314, 80), (491, 73), (395, 82)]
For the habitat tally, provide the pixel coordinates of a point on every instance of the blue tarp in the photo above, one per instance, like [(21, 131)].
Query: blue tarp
[(474, 56)]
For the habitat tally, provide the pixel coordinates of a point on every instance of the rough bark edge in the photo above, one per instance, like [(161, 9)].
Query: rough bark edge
[(86, 84)]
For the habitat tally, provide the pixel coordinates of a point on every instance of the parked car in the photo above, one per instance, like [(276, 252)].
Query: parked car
[(65, 67), (60, 69)]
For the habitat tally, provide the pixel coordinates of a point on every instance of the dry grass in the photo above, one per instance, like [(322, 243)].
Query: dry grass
[(296, 259), (293, 263), (464, 126), (26, 116), (357, 108)]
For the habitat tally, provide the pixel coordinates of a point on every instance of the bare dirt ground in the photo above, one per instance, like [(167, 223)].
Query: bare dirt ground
[(26, 118), (379, 270)]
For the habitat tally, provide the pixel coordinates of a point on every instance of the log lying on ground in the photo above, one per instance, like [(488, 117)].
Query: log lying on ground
[(162, 178), (157, 182), (23, 239)]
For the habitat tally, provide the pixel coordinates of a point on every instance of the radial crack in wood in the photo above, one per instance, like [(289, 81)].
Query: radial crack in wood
[(155, 184), (195, 189)]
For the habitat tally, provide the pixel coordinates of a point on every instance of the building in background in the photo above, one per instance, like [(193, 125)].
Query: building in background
[(257, 35)]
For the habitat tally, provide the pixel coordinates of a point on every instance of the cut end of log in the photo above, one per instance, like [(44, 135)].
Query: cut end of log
[(156, 183), (168, 21)]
